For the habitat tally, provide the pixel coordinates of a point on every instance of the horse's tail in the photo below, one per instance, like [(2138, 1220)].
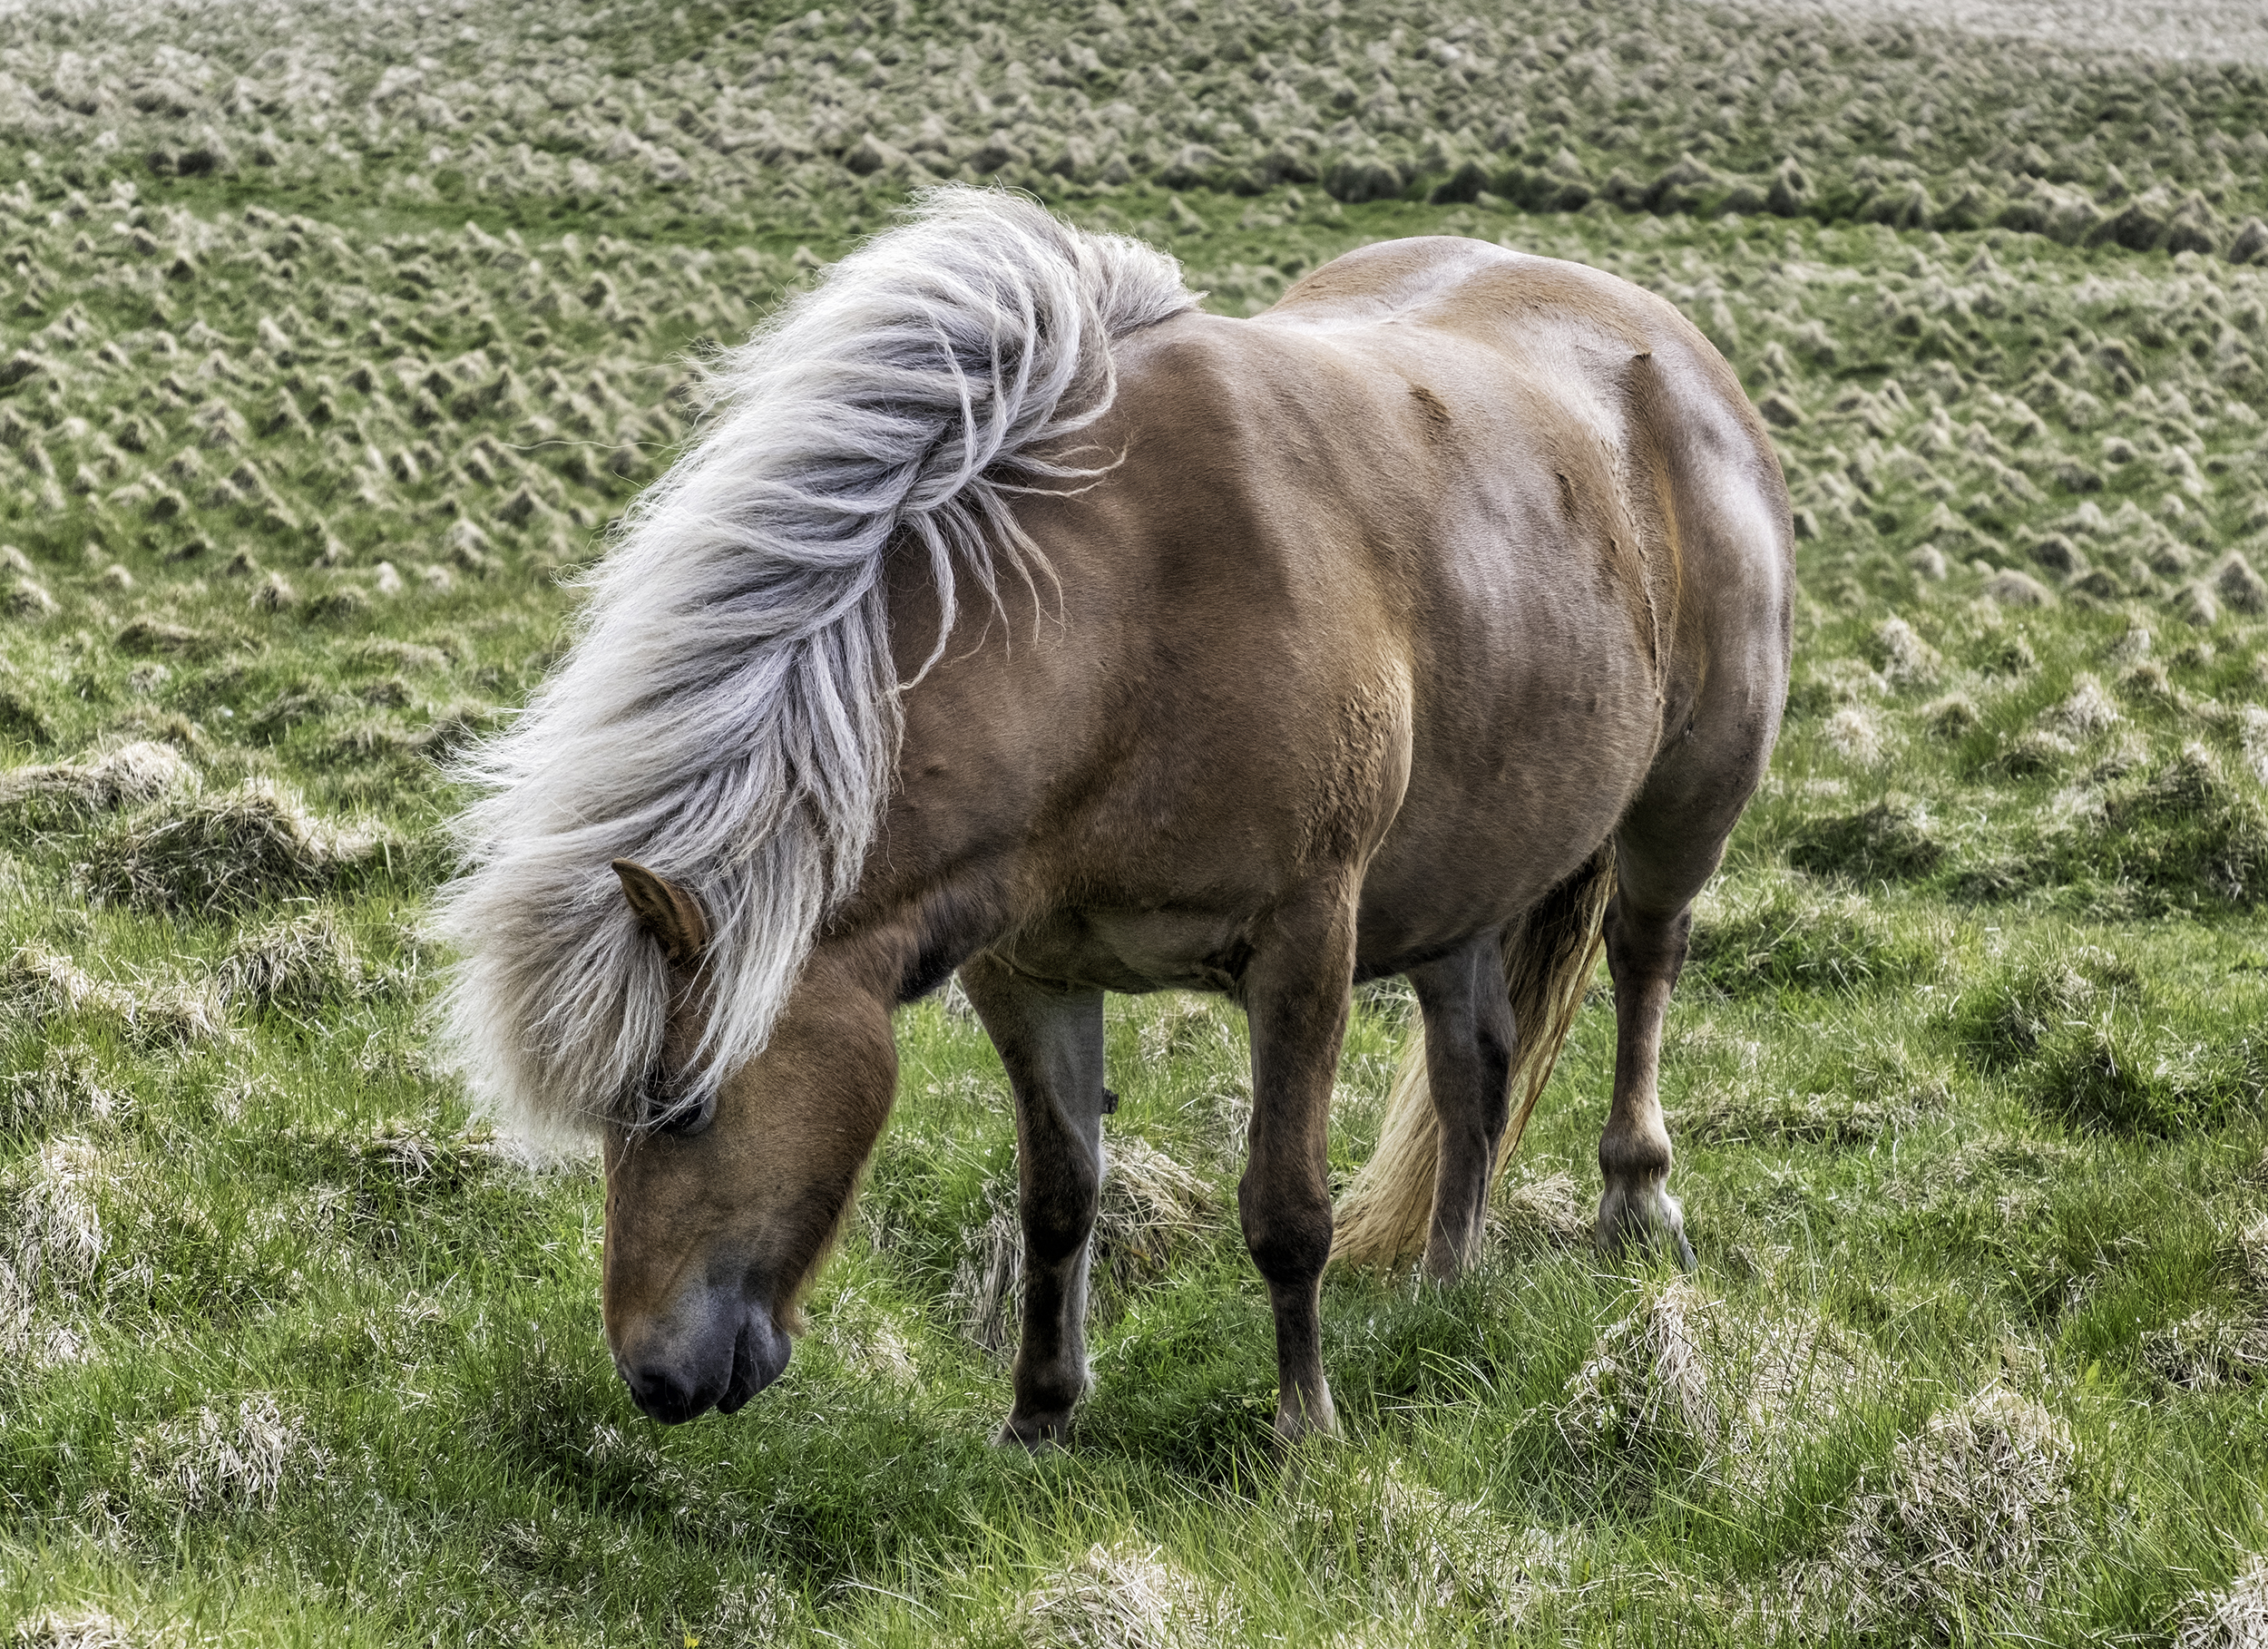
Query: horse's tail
[(1549, 958)]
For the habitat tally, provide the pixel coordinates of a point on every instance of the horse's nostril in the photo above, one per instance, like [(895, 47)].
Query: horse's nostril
[(664, 1395), (758, 1357)]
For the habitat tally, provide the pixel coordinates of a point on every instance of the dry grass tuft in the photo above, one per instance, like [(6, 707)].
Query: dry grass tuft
[(2234, 1619), (1121, 1596), (2005, 1019), (2251, 1251), (38, 983), (55, 1228), (981, 1301), (1856, 735), (400, 1150), (2087, 712), (225, 851), (1974, 1517), (1953, 715), (2253, 739), (51, 1243), (2010, 588), (1841, 1118), (1381, 1528), (2209, 1351), (1151, 1208), (869, 1339), (1181, 1025), (2032, 753), (1791, 1378), (1527, 1214), (300, 964), (1904, 657), (86, 1627), (1682, 1380), (1646, 1387), (142, 772), (212, 1460), (67, 1087), (27, 597)]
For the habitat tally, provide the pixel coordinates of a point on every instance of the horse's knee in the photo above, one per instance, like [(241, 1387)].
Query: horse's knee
[(1287, 1229), (1059, 1210)]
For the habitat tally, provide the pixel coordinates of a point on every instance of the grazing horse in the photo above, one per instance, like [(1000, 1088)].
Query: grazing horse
[(1012, 616)]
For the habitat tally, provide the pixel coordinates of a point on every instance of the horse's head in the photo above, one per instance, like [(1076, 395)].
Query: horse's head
[(718, 1215)]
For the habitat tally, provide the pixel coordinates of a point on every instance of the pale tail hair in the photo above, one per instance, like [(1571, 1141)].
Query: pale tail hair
[(728, 714), (1550, 956)]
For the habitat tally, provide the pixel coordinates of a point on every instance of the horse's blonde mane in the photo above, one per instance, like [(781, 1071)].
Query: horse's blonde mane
[(728, 714)]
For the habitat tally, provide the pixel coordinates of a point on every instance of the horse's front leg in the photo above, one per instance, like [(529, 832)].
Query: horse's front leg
[(1051, 1041), (1294, 993)]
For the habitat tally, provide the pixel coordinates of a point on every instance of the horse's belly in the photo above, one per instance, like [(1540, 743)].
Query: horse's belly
[(1133, 952)]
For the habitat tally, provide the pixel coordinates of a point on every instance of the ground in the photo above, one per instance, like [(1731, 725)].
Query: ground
[(330, 340)]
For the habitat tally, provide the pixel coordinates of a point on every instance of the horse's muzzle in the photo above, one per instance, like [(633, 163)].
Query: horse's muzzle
[(675, 1384)]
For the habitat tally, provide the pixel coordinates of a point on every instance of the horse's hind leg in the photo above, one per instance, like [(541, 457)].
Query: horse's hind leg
[(1667, 848), (1645, 950), (1051, 1042), (1470, 1043)]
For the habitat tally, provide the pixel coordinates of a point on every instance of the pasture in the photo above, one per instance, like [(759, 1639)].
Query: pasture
[(332, 338)]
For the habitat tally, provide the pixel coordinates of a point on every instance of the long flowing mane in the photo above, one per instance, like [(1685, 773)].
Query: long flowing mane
[(730, 714)]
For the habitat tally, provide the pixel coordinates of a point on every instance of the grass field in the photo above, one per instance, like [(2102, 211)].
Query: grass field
[(331, 337)]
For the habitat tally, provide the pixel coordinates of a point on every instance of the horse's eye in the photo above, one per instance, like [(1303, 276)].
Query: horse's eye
[(687, 1120), (668, 1111)]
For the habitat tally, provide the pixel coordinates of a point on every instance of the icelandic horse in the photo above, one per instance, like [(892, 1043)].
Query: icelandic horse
[(1010, 616)]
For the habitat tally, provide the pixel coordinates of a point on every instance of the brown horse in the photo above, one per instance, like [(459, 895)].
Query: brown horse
[(1430, 623)]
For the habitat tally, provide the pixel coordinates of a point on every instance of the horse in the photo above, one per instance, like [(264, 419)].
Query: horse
[(1009, 616)]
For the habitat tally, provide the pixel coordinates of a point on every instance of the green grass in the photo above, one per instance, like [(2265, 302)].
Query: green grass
[(298, 441)]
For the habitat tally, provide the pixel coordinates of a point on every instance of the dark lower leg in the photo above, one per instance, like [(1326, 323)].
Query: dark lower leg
[(1051, 1042), (1643, 955), (1295, 998), (1470, 1046)]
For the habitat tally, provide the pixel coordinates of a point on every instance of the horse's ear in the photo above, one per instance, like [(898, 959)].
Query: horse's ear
[(668, 912)]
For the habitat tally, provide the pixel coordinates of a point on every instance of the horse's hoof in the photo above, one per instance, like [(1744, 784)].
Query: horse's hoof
[(1039, 1435), (1646, 1221), (1648, 1243), (1297, 1423)]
